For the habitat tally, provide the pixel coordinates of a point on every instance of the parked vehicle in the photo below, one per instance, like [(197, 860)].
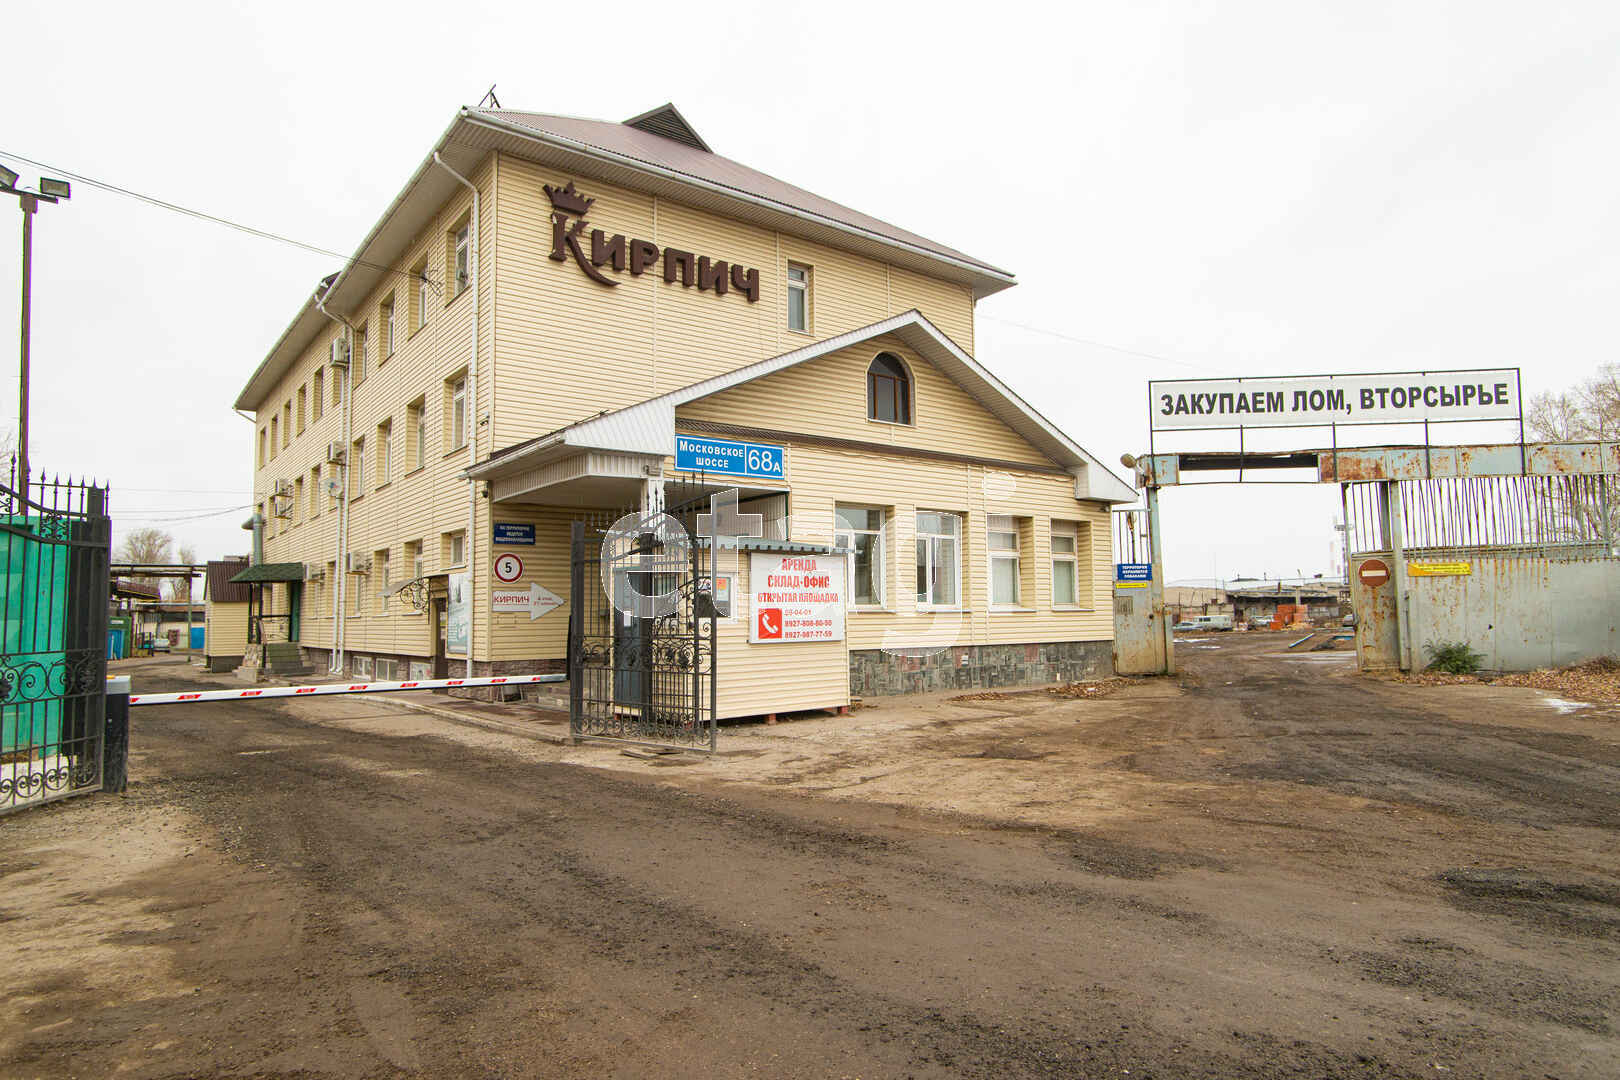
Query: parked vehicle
[(1348, 620), (1212, 622), (1185, 625), (1260, 622)]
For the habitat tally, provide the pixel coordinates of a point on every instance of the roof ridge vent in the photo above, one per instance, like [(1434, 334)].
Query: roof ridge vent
[(667, 122)]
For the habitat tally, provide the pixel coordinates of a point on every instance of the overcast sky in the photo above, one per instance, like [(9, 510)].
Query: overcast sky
[(1232, 189)]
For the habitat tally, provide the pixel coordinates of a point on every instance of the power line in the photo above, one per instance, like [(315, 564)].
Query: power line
[(203, 215), (1094, 343)]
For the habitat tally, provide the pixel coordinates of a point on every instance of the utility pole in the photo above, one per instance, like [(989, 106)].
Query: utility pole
[(29, 205), (49, 191)]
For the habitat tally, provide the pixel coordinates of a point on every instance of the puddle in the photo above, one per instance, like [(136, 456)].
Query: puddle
[(1565, 706)]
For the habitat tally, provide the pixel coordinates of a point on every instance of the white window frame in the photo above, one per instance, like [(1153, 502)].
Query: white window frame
[(423, 295), (388, 325), (380, 561), (463, 258), (418, 565), (419, 433), (458, 538), (999, 524), (932, 537), (458, 412), (800, 285), (385, 449), (1071, 530), (358, 453), (844, 536)]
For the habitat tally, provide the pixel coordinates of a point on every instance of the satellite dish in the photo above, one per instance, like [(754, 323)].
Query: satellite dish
[(334, 487)]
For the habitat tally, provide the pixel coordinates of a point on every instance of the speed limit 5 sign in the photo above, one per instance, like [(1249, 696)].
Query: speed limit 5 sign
[(508, 567)]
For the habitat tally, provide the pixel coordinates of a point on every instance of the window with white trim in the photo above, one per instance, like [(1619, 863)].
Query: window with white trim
[(357, 374), (385, 319), (1001, 541), (939, 559), (1065, 570), (860, 530), (385, 449), (379, 574), (798, 298), (415, 435), (357, 468), (413, 558), (461, 260), (317, 391), (455, 549), (424, 296), (888, 390), (458, 413)]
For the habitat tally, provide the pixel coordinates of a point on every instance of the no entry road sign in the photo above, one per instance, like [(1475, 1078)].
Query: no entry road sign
[(1373, 573)]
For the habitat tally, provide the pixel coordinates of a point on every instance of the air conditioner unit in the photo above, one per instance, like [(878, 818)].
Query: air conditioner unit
[(340, 352), (280, 506), (335, 454), (284, 487), (314, 571), (356, 563)]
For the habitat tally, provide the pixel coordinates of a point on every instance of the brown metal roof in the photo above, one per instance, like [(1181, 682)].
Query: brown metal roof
[(680, 156), (219, 588)]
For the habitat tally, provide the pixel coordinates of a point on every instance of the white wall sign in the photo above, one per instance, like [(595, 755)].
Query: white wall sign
[(795, 597), (534, 599), (508, 567), (1399, 398)]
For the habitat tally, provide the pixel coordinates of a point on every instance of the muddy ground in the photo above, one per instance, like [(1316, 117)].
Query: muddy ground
[(1270, 867)]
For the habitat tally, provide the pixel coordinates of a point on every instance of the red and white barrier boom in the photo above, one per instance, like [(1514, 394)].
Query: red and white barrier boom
[(338, 688)]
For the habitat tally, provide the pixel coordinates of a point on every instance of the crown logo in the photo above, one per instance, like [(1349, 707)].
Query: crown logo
[(568, 200)]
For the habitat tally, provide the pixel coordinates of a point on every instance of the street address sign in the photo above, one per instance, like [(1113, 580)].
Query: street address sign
[(728, 457)]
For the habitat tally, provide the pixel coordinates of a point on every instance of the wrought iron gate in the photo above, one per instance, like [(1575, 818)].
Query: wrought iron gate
[(54, 547), (639, 679)]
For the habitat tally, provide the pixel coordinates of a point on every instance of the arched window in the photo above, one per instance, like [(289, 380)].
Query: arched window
[(888, 390)]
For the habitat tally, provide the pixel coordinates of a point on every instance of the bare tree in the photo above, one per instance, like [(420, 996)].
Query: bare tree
[(1583, 508), (1590, 412), (180, 588), (145, 546)]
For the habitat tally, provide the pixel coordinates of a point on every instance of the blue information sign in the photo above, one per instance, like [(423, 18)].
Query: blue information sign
[(727, 457), (1133, 571), (512, 532)]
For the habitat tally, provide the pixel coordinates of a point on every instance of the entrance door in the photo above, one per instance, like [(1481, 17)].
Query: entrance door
[(295, 608), (437, 631)]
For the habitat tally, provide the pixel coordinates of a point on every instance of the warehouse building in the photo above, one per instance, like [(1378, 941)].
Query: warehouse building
[(557, 319)]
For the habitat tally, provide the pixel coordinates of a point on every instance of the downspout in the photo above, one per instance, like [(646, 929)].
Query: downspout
[(472, 411), (340, 590)]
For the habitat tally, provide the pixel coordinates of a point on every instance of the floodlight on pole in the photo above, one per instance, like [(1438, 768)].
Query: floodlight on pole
[(50, 190)]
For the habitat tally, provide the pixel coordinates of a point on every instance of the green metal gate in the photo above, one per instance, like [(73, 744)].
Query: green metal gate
[(54, 547)]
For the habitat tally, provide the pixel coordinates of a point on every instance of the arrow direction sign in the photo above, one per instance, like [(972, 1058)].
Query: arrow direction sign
[(537, 600)]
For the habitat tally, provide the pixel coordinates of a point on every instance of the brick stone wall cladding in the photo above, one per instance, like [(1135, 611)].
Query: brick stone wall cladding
[(873, 672)]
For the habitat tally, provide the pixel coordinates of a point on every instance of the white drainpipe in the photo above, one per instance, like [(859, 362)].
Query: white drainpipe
[(472, 407), (340, 587)]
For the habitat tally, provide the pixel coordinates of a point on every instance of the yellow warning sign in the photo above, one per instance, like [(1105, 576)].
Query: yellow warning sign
[(1130, 584), (1440, 569)]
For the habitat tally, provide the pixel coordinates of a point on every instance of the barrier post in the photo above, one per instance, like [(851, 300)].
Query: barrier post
[(115, 741)]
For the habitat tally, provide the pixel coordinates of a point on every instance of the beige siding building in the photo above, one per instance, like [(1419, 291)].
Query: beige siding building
[(550, 306)]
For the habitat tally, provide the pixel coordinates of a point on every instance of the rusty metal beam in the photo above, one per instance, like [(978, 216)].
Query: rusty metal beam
[(1366, 464)]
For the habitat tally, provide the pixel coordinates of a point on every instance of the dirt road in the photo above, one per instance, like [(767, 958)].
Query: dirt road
[(1295, 872)]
